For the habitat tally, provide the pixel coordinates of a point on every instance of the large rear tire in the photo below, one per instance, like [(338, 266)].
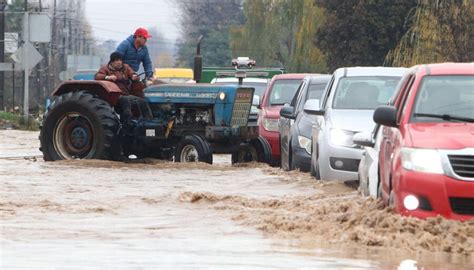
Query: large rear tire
[(78, 125), (193, 148), (257, 150)]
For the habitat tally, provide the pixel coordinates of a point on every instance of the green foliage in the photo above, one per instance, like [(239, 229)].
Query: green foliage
[(279, 33), (212, 19), (361, 33), (7, 116), (442, 31), (14, 120)]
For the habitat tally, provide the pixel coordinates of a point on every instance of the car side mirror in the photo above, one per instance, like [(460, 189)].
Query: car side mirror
[(288, 112), (386, 116), (256, 101), (312, 107), (363, 139)]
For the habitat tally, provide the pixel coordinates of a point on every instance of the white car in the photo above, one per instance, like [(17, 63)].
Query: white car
[(368, 167)]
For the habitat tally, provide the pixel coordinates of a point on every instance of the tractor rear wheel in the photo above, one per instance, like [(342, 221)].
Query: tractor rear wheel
[(193, 148), (79, 125), (257, 150)]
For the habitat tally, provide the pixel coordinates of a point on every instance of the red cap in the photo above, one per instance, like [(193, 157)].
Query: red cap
[(142, 32)]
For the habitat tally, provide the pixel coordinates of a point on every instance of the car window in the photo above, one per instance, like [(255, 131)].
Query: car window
[(298, 92), (364, 92), (444, 96), (315, 91), (283, 91), (327, 92), (406, 93)]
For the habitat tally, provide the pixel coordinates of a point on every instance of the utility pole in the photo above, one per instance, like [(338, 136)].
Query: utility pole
[(3, 5), (26, 39)]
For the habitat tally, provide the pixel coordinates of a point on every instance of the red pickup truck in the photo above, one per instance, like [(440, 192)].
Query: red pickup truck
[(426, 158), (279, 92)]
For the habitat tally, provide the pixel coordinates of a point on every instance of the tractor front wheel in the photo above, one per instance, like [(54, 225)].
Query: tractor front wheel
[(193, 148), (78, 125)]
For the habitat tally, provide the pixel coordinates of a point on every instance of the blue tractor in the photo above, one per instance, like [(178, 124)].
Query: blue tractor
[(190, 122)]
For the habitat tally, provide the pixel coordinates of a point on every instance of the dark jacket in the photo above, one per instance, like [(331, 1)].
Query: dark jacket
[(124, 75), (133, 57)]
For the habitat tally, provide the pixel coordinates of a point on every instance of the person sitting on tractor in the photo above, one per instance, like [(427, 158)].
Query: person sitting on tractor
[(135, 52), (122, 74)]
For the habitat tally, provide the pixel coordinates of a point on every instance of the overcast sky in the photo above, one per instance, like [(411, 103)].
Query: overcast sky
[(116, 19)]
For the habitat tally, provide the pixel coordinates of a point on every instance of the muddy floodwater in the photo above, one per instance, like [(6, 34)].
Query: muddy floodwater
[(153, 215)]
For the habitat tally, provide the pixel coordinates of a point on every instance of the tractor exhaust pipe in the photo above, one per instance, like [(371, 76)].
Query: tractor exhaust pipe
[(198, 62)]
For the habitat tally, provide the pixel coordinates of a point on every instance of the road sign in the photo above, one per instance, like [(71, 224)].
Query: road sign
[(11, 42), (34, 57), (40, 27)]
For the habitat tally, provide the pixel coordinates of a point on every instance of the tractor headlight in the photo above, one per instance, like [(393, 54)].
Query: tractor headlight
[(341, 137), (421, 160), (270, 124), (305, 143), (222, 96)]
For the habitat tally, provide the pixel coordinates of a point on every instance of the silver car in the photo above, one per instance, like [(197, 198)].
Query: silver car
[(346, 109)]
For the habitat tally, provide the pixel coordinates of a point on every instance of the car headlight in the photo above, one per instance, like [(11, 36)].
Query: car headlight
[(270, 124), (421, 160), (341, 137), (305, 143)]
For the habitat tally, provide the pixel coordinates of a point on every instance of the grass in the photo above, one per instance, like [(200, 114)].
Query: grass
[(16, 121)]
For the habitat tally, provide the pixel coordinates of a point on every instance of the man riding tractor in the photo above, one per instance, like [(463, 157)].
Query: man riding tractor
[(122, 75)]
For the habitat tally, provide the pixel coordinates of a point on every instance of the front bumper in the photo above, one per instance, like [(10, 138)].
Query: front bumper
[(215, 133), (438, 195), (338, 162), (273, 139), (302, 159)]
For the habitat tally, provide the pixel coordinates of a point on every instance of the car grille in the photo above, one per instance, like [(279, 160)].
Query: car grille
[(242, 105), (462, 206), (462, 165)]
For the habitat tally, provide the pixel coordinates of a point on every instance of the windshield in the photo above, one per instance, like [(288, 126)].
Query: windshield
[(283, 91), (445, 96), (364, 93), (315, 91)]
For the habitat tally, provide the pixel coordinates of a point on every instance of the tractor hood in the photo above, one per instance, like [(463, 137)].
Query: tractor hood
[(230, 103), (186, 93)]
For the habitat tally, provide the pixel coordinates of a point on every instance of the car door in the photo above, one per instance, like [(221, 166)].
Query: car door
[(285, 137), (299, 104), (319, 123), (389, 135)]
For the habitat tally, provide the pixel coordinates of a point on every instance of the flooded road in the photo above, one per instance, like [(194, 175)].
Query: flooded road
[(152, 214)]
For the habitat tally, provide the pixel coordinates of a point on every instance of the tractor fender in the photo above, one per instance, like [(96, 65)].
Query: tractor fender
[(106, 90)]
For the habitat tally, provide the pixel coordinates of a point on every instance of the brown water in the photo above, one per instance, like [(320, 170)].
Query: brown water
[(152, 214)]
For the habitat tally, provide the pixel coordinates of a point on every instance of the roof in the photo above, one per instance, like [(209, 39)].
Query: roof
[(291, 76), (370, 71), (446, 68), (323, 78)]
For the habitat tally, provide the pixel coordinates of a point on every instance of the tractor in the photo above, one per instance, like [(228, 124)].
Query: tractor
[(190, 122)]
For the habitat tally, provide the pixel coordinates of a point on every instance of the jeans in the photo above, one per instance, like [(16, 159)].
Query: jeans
[(127, 103)]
